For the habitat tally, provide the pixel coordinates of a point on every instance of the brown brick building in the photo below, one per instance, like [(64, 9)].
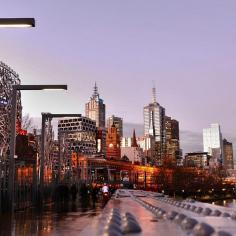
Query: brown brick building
[(113, 144)]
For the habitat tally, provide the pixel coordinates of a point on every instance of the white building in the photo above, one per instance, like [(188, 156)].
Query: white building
[(126, 141), (135, 154), (147, 143), (212, 142)]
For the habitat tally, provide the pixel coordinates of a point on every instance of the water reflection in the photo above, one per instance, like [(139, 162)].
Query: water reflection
[(231, 203), (54, 219)]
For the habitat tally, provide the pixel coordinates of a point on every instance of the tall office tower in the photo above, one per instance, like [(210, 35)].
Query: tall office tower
[(95, 109), (113, 144), (154, 124), (228, 160), (118, 122), (213, 144), (172, 139)]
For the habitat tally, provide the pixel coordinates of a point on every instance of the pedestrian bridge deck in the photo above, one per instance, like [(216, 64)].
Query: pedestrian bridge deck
[(136, 212)]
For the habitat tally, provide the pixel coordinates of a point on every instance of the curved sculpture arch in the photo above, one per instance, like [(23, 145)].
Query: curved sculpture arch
[(8, 77)]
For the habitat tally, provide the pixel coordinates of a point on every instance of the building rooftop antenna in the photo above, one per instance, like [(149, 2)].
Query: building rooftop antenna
[(95, 90), (154, 98)]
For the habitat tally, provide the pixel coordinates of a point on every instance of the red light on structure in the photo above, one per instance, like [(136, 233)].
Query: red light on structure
[(23, 132)]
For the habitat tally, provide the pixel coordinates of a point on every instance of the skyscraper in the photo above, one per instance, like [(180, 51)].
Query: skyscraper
[(154, 124), (212, 142), (172, 139), (228, 161), (95, 109), (118, 122)]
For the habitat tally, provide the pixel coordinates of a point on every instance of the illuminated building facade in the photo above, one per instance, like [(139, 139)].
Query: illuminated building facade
[(113, 144), (147, 143), (172, 140), (228, 161), (213, 144), (95, 109), (118, 122), (126, 141), (101, 141), (197, 159), (154, 124)]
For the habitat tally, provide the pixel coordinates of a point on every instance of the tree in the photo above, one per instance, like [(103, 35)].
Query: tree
[(27, 122)]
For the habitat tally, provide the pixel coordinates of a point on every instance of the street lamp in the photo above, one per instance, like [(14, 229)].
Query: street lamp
[(17, 22), (11, 173)]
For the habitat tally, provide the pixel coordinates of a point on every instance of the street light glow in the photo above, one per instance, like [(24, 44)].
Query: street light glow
[(17, 22), (40, 87)]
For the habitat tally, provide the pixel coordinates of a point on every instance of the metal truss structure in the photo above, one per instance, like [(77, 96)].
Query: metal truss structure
[(8, 77)]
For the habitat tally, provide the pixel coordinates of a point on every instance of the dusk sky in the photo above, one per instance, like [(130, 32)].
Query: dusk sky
[(187, 47)]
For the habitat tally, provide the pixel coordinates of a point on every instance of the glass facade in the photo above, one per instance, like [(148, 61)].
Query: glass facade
[(212, 140), (154, 125)]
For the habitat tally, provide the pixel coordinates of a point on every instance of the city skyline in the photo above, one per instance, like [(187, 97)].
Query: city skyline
[(187, 48), (116, 116)]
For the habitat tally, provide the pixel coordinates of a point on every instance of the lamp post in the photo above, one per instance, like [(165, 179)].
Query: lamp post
[(17, 22), (45, 117), (15, 89), (14, 23)]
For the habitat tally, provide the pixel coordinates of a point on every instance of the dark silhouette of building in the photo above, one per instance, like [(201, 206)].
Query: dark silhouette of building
[(228, 160)]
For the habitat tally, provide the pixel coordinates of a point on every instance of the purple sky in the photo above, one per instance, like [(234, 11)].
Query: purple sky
[(187, 47)]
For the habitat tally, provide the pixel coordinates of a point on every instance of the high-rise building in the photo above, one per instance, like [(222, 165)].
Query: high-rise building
[(154, 124), (118, 122), (172, 139), (95, 109), (212, 143), (228, 160), (113, 144)]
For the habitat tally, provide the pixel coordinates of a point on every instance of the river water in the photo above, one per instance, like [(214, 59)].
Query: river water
[(231, 203), (54, 220)]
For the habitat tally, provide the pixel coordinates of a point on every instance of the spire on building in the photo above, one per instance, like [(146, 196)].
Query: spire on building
[(154, 99), (95, 90), (134, 140)]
